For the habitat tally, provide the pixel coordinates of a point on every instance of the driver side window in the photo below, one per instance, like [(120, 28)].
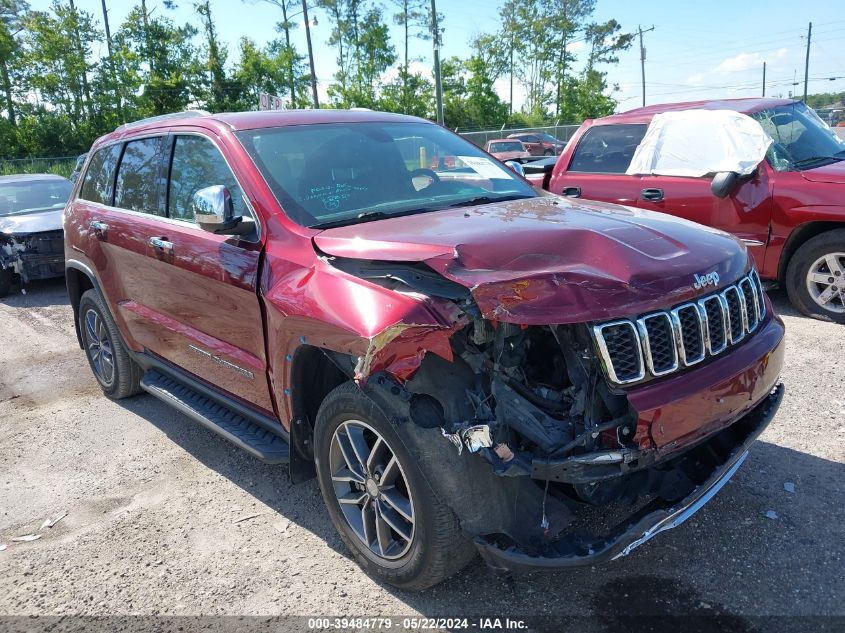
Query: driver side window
[(196, 164)]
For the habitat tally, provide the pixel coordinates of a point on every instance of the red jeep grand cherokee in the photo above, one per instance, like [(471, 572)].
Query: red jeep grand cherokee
[(790, 213), (465, 364)]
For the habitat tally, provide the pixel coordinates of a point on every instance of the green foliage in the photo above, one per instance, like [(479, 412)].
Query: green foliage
[(59, 92)]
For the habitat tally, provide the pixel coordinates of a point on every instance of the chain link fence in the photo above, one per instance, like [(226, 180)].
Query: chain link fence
[(480, 138), (61, 165)]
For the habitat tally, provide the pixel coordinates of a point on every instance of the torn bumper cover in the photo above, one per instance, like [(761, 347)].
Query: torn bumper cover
[(33, 256), (656, 517)]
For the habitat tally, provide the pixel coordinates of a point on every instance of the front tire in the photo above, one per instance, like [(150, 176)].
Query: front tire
[(379, 499), (119, 376), (815, 277)]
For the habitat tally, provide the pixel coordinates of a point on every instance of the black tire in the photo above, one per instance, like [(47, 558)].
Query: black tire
[(799, 267), (549, 152), (438, 548), (126, 378), (5, 281)]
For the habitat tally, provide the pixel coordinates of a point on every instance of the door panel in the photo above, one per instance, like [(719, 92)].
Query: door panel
[(199, 308), (745, 213)]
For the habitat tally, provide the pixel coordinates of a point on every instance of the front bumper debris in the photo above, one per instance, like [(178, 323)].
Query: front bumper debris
[(656, 517)]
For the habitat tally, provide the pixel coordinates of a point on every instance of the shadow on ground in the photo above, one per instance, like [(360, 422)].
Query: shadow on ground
[(726, 563), (38, 294)]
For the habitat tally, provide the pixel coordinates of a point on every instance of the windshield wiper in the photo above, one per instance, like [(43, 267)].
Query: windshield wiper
[(472, 202), (370, 216), (815, 159)]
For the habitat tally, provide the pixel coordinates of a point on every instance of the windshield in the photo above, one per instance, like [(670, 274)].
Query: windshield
[(343, 173), (508, 146), (801, 138), (17, 198)]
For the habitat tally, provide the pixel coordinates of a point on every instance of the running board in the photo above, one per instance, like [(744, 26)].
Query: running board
[(263, 443)]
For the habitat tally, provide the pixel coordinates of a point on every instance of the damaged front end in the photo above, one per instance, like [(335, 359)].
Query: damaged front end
[(546, 461), (32, 255)]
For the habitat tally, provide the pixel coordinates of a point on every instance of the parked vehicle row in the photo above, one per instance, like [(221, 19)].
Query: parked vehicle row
[(467, 364)]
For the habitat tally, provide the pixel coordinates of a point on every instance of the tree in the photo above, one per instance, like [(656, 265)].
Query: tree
[(56, 57), (215, 61), (11, 24), (157, 59), (413, 17), (287, 51)]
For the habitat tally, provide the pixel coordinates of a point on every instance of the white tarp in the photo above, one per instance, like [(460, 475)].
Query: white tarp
[(695, 143)]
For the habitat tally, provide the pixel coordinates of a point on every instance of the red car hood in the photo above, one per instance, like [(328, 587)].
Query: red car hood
[(835, 172), (550, 260), (511, 155)]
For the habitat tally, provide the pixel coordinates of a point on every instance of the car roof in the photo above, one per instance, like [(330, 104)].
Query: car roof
[(504, 140), (238, 121), (521, 134), (31, 178), (644, 115)]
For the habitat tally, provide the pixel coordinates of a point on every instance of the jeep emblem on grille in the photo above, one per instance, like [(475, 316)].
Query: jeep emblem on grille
[(702, 281)]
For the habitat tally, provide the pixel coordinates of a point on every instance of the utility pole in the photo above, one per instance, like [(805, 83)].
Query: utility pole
[(642, 56), (438, 86), (316, 102), (807, 60), (764, 79)]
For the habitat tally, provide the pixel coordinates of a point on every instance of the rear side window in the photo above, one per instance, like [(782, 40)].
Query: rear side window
[(137, 186), (197, 163), (97, 186), (607, 149)]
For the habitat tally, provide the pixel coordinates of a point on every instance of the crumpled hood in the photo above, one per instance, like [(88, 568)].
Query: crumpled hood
[(31, 222), (835, 172), (551, 260)]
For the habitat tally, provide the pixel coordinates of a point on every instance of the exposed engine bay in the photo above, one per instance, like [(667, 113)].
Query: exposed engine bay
[(520, 430)]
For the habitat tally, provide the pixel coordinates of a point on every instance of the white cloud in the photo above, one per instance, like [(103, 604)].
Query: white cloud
[(696, 80), (747, 61)]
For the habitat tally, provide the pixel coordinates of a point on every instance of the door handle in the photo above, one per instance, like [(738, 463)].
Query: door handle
[(572, 192), (161, 244), (99, 227), (655, 195)]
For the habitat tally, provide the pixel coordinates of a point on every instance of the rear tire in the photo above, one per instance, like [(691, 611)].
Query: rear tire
[(119, 376), (436, 547), (821, 258)]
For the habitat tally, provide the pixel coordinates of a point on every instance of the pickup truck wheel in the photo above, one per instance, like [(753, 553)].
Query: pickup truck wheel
[(5, 281), (119, 376), (815, 277), (379, 500)]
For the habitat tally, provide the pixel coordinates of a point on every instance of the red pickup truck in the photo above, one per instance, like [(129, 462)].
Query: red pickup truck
[(466, 364), (790, 213)]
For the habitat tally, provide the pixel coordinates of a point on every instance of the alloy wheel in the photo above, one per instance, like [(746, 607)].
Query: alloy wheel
[(99, 346), (372, 489), (826, 282)]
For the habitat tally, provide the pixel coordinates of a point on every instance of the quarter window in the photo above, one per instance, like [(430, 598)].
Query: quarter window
[(607, 149), (99, 179), (137, 187), (197, 163)]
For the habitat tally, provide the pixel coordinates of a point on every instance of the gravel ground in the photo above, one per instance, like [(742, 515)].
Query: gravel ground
[(164, 517)]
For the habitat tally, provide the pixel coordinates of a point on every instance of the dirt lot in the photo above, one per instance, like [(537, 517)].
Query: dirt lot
[(165, 517)]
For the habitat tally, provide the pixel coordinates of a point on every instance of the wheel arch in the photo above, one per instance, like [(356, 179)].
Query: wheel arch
[(78, 279), (799, 236), (315, 372)]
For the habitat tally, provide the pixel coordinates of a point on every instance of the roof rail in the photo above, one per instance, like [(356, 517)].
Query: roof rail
[(164, 117)]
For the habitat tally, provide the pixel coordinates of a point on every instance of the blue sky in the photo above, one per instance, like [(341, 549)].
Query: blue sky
[(696, 51)]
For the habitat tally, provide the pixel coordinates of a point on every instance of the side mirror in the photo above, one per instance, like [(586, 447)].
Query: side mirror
[(515, 166), (724, 183), (214, 211)]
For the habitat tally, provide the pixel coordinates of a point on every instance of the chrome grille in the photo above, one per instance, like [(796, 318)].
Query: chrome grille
[(659, 343), (618, 342)]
